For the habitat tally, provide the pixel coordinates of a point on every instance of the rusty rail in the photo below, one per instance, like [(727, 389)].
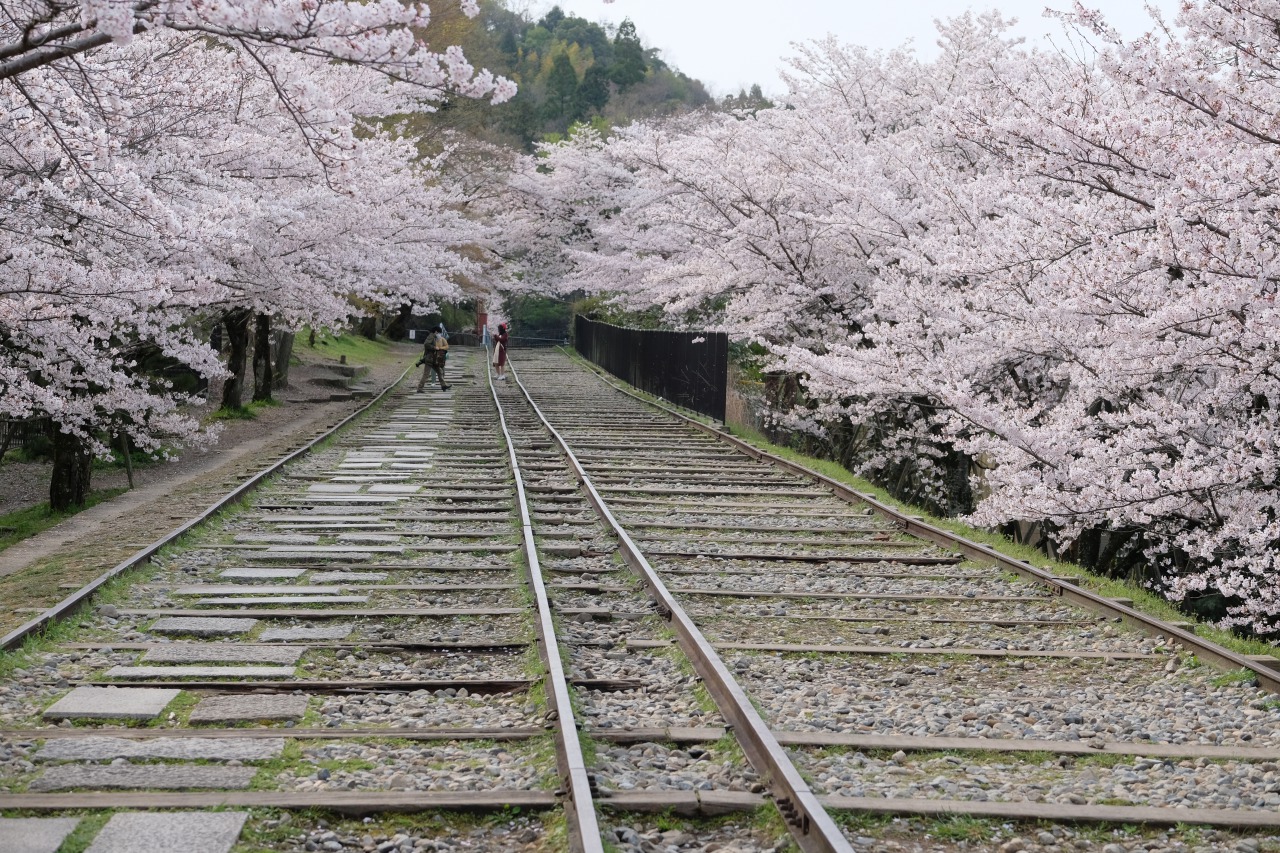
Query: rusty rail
[(584, 829)]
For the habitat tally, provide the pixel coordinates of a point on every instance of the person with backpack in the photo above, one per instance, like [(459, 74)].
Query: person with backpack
[(435, 352)]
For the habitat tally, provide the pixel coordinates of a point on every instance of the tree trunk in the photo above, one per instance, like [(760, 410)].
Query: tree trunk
[(262, 379), (284, 353), (237, 323), (127, 453), (406, 321), (72, 466)]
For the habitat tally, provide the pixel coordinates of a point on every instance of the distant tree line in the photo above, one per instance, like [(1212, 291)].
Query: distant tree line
[(569, 71)]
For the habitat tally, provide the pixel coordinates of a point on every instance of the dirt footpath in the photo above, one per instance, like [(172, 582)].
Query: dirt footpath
[(40, 571)]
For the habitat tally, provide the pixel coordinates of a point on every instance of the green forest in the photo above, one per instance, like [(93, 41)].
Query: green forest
[(569, 70)]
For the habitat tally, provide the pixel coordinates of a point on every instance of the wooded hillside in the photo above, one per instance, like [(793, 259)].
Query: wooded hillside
[(568, 70)]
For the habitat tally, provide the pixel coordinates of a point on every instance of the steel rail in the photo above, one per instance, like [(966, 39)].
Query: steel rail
[(806, 819), (584, 828), (1268, 679), (80, 597)]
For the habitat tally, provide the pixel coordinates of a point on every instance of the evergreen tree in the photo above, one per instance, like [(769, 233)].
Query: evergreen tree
[(629, 65), (552, 19), (562, 86), (508, 44), (593, 92)]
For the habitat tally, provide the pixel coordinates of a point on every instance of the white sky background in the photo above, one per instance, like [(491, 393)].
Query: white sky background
[(730, 44)]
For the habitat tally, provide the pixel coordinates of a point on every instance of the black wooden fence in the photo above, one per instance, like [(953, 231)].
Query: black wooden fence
[(24, 434), (690, 369)]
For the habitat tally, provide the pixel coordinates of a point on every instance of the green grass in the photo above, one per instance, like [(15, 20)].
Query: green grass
[(1104, 760), (863, 823), (541, 752), (244, 413), (1235, 676), (79, 839), (272, 829), (18, 454), (24, 523), (357, 348), (964, 828)]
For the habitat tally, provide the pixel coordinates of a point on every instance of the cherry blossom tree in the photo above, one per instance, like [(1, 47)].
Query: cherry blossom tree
[(162, 162), (1059, 263), (1151, 302), (379, 35)]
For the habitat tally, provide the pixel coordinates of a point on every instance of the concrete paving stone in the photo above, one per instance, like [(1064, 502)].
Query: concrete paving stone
[(326, 508), (202, 626), (169, 777), (141, 672), (351, 499), (419, 436), (388, 477), (260, 574), (237, 709), (349, 556), (335, 488), (331, 550), (142, 832), (279, 538), (189, 748), (222, 653), (390, 489), (247, 589), (35, 834), (283, 599), (319, 632), (339, 577), (112, 703), (331, 527), (357, 515)]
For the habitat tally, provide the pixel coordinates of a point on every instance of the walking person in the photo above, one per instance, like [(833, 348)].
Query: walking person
[(435, 351), (500, 351)]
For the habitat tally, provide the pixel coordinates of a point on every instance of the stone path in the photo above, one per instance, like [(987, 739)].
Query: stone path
[(35, 834), (112, 703)]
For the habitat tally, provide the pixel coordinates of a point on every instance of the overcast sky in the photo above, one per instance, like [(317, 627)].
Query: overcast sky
[(730, 44)]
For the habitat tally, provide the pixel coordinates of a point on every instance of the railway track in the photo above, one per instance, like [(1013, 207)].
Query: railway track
[(480, 620)]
